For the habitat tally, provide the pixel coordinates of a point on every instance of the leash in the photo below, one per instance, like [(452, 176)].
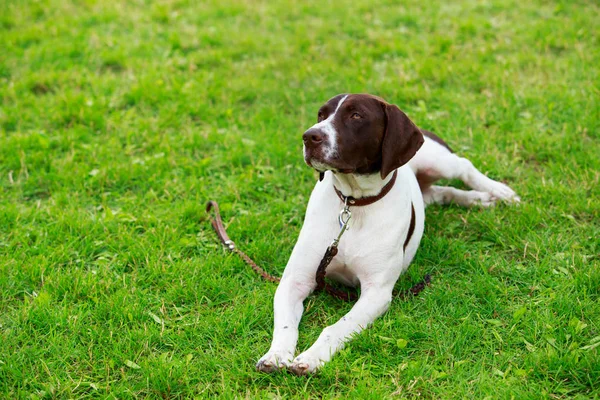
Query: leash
[(217, 224), (330, 253)]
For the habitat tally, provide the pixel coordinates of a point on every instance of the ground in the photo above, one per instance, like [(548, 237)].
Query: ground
[(120, 119)]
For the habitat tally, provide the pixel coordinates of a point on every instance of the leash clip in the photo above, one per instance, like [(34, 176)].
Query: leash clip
[(343, 219)]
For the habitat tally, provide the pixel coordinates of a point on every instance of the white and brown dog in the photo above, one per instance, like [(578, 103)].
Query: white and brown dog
[(363, 146)]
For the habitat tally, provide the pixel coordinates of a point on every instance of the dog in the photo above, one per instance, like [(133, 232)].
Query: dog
[(368, 150)]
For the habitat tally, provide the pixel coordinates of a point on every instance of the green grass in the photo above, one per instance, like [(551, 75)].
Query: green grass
[(118, 120)]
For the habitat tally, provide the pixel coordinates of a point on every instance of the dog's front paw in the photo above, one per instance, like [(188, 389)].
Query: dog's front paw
[(274, 361), (305, 364)]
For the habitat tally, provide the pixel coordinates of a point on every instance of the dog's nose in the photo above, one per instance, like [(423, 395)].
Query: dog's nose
[(312, 137)]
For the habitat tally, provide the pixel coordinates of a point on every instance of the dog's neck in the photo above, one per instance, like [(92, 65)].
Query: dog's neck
[(359, 186)]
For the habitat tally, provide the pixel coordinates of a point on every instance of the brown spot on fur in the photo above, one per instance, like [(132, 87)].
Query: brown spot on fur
[(436, 139), (411, 227)]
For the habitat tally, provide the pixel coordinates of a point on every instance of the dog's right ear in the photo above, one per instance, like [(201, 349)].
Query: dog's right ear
[(401, 141)]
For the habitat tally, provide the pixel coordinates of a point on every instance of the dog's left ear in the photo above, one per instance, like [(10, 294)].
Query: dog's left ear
[(401, 141)]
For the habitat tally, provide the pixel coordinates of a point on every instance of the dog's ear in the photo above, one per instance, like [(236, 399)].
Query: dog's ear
[(401, 141)]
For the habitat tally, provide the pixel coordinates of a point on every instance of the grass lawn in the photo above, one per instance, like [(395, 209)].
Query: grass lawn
[(119, 119)]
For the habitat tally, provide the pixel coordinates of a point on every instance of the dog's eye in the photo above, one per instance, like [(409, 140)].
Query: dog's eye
[(356, 116), (320, 117)]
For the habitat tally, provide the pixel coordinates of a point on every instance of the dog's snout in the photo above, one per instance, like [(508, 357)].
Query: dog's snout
[(312, 137)]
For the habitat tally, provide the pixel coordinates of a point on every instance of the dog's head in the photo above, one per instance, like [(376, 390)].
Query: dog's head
[(361, 134)]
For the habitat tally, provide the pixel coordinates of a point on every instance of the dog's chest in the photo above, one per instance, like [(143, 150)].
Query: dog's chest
[(374, 241), (361, 250)]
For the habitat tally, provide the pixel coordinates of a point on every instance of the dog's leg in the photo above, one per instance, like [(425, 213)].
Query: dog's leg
[(373, 302), (447, 195), (451, 166), (288, 310), (435, 162)]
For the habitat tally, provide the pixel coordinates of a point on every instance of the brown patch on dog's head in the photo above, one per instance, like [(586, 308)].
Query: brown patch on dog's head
[(362, 134)]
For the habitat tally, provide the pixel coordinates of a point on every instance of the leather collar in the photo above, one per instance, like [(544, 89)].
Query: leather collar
[(365, 201)]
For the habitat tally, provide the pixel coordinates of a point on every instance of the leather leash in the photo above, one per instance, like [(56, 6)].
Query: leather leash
[(217, 224), (330, 253)]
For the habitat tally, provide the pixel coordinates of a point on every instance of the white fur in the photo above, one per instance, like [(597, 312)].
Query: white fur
[(435, 162), (371, 253)]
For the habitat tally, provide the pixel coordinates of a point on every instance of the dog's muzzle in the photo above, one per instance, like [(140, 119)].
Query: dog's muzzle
[(313, 138)]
